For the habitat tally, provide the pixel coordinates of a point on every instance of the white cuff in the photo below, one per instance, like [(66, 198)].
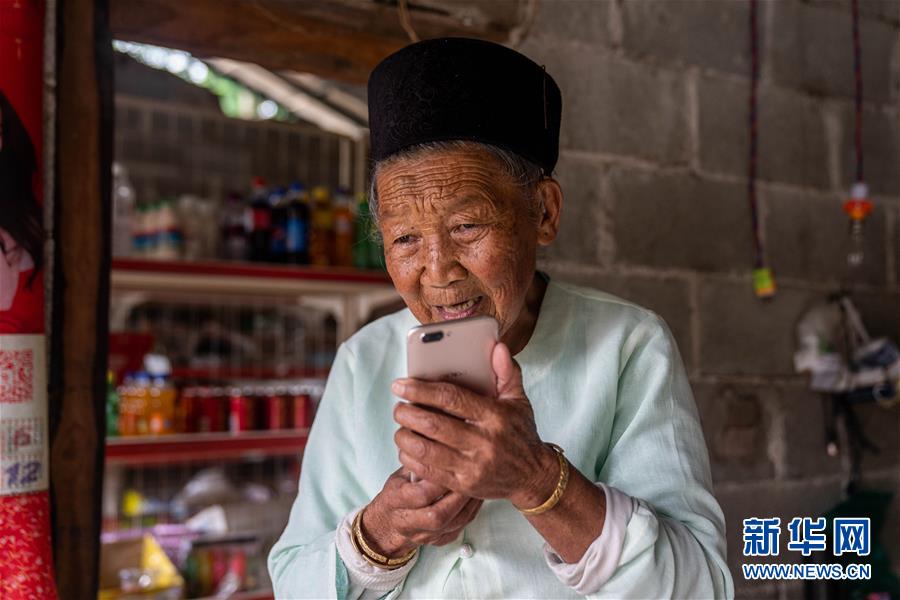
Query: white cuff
[(602, 557), (364, 574)]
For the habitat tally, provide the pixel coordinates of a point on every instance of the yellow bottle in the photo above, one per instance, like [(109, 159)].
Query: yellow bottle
[(161, 406), (322, 230)]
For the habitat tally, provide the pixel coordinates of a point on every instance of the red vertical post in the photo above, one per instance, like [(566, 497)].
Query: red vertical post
[(26, 569)]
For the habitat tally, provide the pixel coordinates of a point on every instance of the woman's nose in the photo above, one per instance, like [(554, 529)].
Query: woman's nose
[(442, 266)]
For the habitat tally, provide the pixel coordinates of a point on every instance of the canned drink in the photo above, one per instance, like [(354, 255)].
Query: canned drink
[(206, 411), (276, 416), (186, 411), (300, 405)]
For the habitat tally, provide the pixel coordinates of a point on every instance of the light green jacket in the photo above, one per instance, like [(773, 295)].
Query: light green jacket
[(607, 384)]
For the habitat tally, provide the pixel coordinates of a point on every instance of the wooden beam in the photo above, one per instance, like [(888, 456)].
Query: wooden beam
[(340, 39), (80, 291)]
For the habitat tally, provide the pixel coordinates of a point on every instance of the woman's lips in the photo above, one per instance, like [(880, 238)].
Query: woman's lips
[(461, 310)]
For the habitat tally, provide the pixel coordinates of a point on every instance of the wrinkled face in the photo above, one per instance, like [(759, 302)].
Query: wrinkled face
[(459, 238)]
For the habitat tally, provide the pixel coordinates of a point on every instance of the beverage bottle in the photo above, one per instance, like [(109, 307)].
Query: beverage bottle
[(278, 235), (123, 211), (169, 231), (160, 395), (154, 232), (234, 235), (187, 209), (322, 229), (258, 221), (140, 393), (161, 405), (343, 228), (146, 235), (112, 406), (297, 226), (127, 416), (137, 232)]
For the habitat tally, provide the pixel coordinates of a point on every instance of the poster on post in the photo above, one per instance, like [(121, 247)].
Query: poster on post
[(26, 570)]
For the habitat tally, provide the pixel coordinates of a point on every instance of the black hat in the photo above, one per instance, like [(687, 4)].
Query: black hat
[(464, 89)]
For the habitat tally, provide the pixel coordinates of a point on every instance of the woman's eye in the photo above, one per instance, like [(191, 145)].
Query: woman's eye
[(403, 239), (465, 227)]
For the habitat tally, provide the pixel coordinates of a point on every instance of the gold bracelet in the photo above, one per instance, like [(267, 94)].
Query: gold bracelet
[(554, 498), (374, 558)]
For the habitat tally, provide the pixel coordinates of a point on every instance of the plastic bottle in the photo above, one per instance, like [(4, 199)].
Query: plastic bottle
[(139, 231), (188, 209), (297, 226), (139, 396), (170, 233), (343, 229), (127, 420), (161, 405), (322, 229), (278, 232), (258, 221), (234, 235), (160, 395), (123, 211), (112, 406), (151, 229)]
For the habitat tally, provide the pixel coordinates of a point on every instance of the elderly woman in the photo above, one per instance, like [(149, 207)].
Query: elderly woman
[(464, 138)]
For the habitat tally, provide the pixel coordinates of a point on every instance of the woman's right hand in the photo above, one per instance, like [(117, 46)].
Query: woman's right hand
[(405, 515)]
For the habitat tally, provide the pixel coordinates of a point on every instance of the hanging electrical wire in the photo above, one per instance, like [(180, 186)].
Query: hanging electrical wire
[(858, 206), (406, 20), (763, 281), (858, 88)]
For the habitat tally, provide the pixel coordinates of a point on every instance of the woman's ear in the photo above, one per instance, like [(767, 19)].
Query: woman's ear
[(551, 198)]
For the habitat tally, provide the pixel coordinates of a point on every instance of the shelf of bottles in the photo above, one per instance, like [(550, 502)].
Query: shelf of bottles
[(225, 316), (277, 225)]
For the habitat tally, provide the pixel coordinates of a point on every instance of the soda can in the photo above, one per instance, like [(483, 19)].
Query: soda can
[(240, 413), (209, 412), (276, 415), (300, 405)]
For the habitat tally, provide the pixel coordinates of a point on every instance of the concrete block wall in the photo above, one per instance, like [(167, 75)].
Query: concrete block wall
[(653, 164)]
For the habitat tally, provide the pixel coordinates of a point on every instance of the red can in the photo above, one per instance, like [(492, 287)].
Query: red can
[(209, 413), (240, 414), (276, 413), (300, 405), (186, 411)]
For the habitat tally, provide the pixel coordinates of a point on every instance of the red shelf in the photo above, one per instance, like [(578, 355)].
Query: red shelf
[(251, 270), (247, 373), (190, 447)]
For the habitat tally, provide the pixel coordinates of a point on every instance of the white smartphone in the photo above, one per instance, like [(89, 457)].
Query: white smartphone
[(458, 351)]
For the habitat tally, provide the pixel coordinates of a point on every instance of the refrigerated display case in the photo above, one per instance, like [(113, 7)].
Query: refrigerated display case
[(249, 348)]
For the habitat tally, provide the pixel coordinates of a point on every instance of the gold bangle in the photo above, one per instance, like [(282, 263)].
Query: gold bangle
[(373, 557), (554, 498)]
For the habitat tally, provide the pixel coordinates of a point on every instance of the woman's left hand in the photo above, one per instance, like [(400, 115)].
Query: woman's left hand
[(476, 445)]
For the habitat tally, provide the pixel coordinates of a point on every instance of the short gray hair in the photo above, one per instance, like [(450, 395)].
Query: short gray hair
[(525, 173)]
